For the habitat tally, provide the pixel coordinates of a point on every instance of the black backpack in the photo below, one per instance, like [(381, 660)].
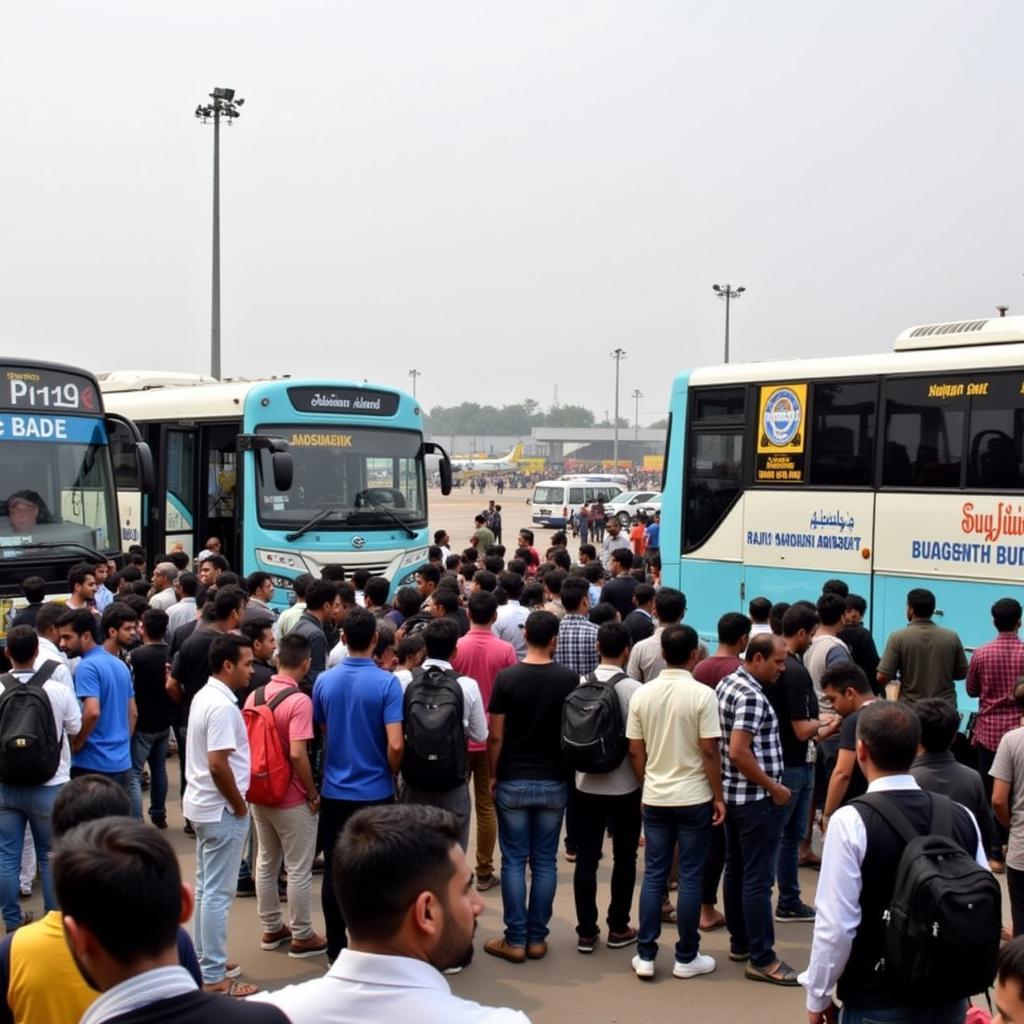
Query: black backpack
[(435, 736), (593, 733), (30, 741), (942, 928)]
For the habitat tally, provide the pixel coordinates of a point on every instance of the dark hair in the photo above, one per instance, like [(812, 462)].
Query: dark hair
[(541, 628), (835, 587), (429, 574), (669, 605), (856, 603), (22, 644), (494, 563), (589, 550), (624, 557), (136, 602), (218, 562), (358, 628), (376, 591), (846, 676), (1006, 614), (1010, 964), (81, 620), (452, 562), (939, 723), (292, 650), (760, 608), (612, 639), (732, 628), (78, 573), (830, 608), (553, 580), (226, 601), (408, 601), (87, 798), (921, 602), (385, 637), (178, 559), (516, 565), (441, 637), (255, 628), (511, 583), (532, 595), (434, 553), (302, 582), (385, 858), (527, 535), (677, 644), (48, 616), (561, 558), (255, 580), (320, 594), (446, 598), (776, 615), (409, 645), (470, 555), (593, 572), (559, 539), (891, 732), (115, 616), (333, 572), (34, 589), (797, 617), (360, 576), (483, 606), (643, 594), (485, 580), (189, 583), (603, 612), (762, 644), (120, 879), (154, 623), (227, 647), (438, 534), (574, 590)]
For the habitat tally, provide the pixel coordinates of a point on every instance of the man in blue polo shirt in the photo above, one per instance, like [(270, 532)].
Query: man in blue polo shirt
[(358, 708), (103, 683)]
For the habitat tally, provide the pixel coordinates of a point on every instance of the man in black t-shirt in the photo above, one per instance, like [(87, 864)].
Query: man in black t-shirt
[(528, 781), (856, 636), (849, 690)]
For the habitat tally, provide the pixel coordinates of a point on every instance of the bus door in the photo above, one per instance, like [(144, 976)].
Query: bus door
[(173, 521), (219, 507)]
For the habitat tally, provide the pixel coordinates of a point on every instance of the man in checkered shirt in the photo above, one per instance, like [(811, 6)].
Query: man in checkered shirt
[(992, 674), (577, 635), (751, 769)]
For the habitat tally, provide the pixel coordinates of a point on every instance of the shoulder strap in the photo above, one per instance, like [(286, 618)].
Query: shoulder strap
[(282, 696), (942, 815), (593, 679), (43, 673), (890, 812), (259, 696), (9, 679)]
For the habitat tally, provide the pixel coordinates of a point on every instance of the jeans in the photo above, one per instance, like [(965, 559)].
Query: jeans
[(950, 1013), (218, 854), (529, 822), (150, 747), (800, 782), (455, 800), (486, 817), (288, 835), (20, 805), (123, 779), (593, 813), (751, 847), (665, 828)]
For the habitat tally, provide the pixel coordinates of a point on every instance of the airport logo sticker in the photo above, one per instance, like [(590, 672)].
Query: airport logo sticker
[(780, 441)]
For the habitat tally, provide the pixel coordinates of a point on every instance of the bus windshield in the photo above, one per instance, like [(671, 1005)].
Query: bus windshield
[(361, 478)]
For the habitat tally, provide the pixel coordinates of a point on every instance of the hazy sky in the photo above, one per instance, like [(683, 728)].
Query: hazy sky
[(500, 193)]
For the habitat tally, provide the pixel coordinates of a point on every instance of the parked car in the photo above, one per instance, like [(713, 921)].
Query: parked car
[(626, 506)]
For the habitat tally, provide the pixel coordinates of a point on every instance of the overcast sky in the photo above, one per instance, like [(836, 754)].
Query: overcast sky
[(500, 193)]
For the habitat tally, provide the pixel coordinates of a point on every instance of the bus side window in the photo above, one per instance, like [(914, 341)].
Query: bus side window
[(995, 448), (843, 434), (122, 451), (924, 430)]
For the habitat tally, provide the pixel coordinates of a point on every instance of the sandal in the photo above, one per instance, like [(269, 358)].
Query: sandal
[(810, 860), (668, 913), (782, 975), (232, 988)]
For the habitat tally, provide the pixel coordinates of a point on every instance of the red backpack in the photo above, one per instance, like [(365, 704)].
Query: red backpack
[(270, 769)]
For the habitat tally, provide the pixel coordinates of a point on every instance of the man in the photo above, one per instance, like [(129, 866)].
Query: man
[(123, 901), (264, 645), (375, 595), (481, 656), (34, 589), (442, 541), (674, 736), (184, 609), (653, 535), (645, 660), (407, 895), (49, 639), (483, 536), (619, 590), (1007, 773), (287, 619), (287, 830), (210, 569), (358, 708), (848, 692), (217, 772), (164, 576), (553, 580), (640, 621), (991, 677), (752, 768), (528, 783), (104, 686), (927, 658), (577, 635), (511, 615), (104, 595), (1009, 990), (858, 874), (759, 610), (857, 637), (796, 708), (608, 800), (260, 588), (827, 651), (82, 581), (525, 540), (32, 803), (733, 637), (322, 601), (441, 637), (613, 541)]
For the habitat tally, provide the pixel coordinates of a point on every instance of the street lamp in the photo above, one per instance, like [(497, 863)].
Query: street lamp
[(618, 355), (414, 374), (636, 396), (224, 105), (728, 293)]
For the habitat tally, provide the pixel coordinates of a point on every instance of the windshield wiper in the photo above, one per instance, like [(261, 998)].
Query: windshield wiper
[(315, 521), (390, 515), (54, 544)]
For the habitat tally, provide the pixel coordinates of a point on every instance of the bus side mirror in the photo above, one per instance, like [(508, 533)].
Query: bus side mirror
[(284, 471), (444, 467), (144, 466)]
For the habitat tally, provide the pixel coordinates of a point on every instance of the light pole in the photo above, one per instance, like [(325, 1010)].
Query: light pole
[(728, 293), (414, 374), (636, 396), (224, 105), (618, 355)]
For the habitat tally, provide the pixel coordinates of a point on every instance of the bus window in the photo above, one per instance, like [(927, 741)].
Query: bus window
[(924, 433), (843, 433), (712, 481), (718, 404), (576, 495), (122, 449), (995, 448)]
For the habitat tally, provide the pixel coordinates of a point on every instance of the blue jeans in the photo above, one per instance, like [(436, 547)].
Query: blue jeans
[(218, 856), (950, 1013), (665, 828), (529, 822), (151, 747), (751, 848), (20, 804), (800, 782)]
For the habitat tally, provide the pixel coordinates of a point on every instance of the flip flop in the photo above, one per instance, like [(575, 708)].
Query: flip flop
[(234, 989)]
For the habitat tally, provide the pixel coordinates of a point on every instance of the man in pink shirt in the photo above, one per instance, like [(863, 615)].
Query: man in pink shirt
[(287, 830), (481, 656)]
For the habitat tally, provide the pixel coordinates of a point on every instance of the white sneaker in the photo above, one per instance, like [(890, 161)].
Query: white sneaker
[(644, 968), (700, 964)]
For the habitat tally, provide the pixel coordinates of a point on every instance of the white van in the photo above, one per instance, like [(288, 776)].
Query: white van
[(554, 501)]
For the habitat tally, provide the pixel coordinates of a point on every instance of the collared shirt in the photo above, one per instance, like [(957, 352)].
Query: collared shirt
[(143, 989), (255, 609), (180, 614), (163, 600), (838, 902), (743, 705), (927, 657), (577, 644), (991, 676), (66, 714), (103, 597), (48, 651), (645, 660), (370, 988), (473, 719), (287, 619), (509, 626), (612, 544)]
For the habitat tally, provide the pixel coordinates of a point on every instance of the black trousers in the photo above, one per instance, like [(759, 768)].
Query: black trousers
[(333, 816), (714, 865), (1015, 888), (999, 834)]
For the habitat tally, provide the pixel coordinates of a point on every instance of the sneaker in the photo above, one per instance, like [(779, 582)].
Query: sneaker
[(485, 882), (271, 940), (160, 823), (586, 943), (300, 949), (616, 940), (188, 829), (643, 968), (700, 964), (801, 912), (457, 969), (246, 887), (500, 948)]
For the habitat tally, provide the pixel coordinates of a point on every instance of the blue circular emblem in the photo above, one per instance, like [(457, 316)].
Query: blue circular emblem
[(358, 542), (782, 417)]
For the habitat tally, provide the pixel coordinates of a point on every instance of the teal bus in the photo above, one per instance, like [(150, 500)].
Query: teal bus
[(890, 471), (289, 475)]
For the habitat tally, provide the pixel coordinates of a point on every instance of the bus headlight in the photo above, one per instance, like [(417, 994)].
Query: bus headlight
[(414, 557), (281, 560)]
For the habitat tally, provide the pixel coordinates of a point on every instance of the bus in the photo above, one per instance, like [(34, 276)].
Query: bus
[(58, 505), (890, 471), (289, 475)]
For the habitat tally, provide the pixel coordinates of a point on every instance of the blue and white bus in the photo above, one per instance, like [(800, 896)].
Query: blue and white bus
[(289, 475), (890, 471)]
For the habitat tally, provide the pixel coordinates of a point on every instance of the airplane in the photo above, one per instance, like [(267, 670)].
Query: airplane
[(509, 462)]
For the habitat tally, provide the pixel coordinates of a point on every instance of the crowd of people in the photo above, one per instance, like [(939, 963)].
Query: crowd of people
[(523, 701)]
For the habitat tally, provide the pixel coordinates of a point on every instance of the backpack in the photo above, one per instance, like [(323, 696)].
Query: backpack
[(593, 733), (433, 710), (942, 928), (270, 771), (30, 742)]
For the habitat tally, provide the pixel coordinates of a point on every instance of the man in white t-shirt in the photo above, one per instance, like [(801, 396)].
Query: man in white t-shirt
[(217, 773), (33, 804)]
